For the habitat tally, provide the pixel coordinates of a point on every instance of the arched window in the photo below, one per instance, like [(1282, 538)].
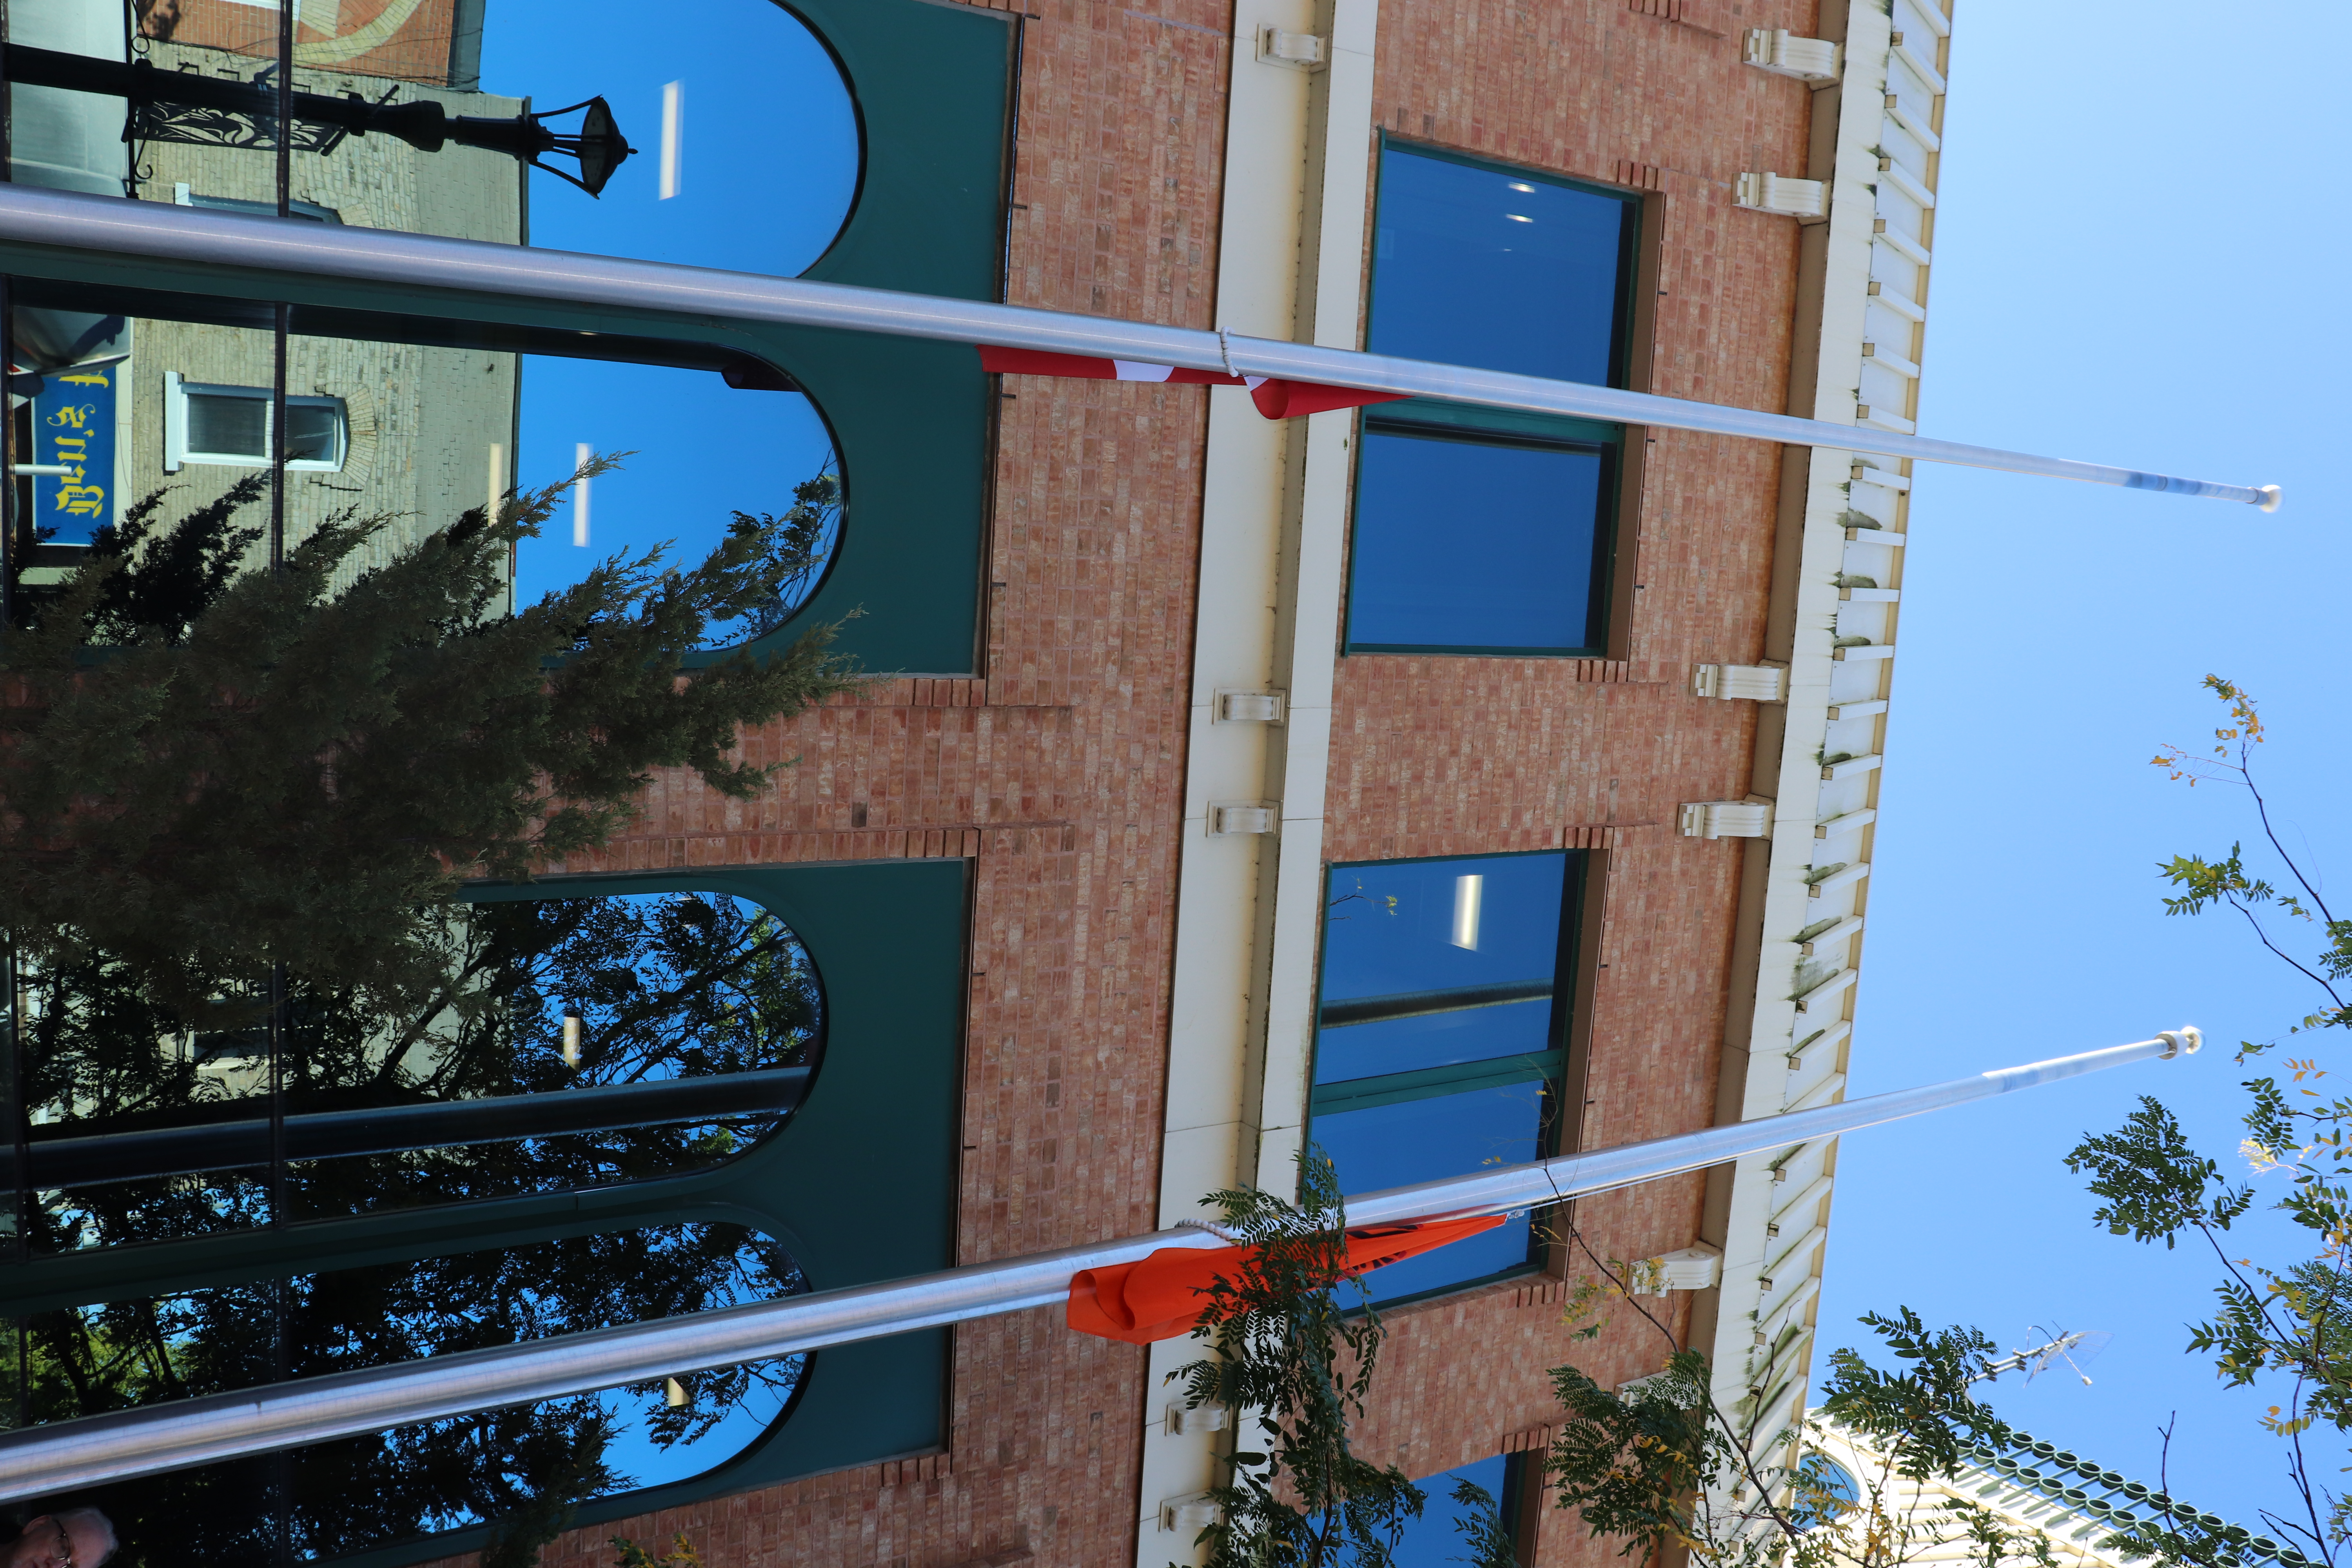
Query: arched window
[(565, 1044), (151, 407), (575, 125), (494, 124), (336, 1500), (845, 981), (1824, 1489)]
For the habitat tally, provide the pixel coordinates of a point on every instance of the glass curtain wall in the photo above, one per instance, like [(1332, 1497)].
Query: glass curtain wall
[(1481, 530), (1441, 1040), (515, 122), (335, 1500)]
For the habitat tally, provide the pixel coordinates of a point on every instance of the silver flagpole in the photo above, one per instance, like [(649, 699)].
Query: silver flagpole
[(73, 221), (69, 1454)]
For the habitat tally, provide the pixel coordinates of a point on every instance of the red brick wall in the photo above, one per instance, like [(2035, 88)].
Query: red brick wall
[(1060, 773), (1446, 756)]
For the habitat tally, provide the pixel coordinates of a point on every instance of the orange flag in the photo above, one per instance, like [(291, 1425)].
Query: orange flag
[(1275, 399), (1162, 1296)]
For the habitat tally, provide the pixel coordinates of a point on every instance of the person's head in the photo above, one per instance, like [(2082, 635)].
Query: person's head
[(69, 1538)]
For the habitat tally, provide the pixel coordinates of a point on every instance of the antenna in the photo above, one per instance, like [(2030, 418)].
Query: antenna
[(2057, 1345)]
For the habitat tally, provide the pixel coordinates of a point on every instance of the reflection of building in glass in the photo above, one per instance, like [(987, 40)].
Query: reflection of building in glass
[(416, 433)]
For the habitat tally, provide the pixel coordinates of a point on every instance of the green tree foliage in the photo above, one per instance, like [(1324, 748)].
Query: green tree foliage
[(1659, 1464), (681, 1554), (1289, 1353), (1924, 1415), (182, 746), (2286, 1324), (1484, 1531), (1635, 1464)]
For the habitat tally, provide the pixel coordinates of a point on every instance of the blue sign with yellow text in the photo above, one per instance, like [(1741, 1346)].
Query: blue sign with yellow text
[(72, 455)]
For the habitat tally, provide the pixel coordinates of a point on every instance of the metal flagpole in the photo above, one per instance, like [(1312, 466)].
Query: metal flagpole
[(76, 221), (64, 1454)]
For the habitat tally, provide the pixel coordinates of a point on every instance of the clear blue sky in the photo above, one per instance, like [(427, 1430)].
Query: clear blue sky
[(2127, 270)]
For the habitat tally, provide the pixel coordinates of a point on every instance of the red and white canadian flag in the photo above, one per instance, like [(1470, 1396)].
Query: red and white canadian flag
[(1276, 399)]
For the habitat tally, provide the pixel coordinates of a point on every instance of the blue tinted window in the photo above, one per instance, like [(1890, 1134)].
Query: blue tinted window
[(1505, 269), (1439, 1036), (1428, 963), (1414, 1141), (1476, 532), (1468, 542), (1435, 1539)]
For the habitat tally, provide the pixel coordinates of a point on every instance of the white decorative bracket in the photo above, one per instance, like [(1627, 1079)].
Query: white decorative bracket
[(1756, 682), (1229, 818), (1182, 1421), (1805, 200), (1237, 707), (1783, 53), (1728, 819), (1191, 1513), (1300, 51), (1691, 1268)]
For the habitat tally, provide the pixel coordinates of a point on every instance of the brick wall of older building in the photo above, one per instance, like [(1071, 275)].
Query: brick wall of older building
[(1442, 756), (1060, 770)]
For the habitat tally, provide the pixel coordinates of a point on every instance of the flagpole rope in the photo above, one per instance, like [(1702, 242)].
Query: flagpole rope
[(81, 224)]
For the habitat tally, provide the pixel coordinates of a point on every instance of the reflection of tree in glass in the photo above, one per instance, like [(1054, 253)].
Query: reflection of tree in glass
[(189, 742), (526, 1463), (677, 986), (800, 547)]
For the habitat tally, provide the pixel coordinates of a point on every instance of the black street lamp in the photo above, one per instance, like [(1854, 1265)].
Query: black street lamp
[(205, 110)]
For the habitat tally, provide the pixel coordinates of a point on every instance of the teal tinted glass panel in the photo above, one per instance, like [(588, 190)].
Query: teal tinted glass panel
[(1505, 269), (1431, 962), (1436, 1540), (334, 1500), (1471, 543), (1423, 1140)]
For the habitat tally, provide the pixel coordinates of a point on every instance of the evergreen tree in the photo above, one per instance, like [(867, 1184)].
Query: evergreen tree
[(204, 772)]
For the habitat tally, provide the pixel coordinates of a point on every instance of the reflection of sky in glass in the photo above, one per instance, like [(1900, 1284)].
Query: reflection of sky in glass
[(702, 451), (757, 89), (1470, 544), (1422, 1141), (1432, 1541), (1392, 928), (759, 94), (1484, 267), (633, 1452)]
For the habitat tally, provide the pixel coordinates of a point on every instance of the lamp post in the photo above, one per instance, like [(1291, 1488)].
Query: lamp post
[(204, 111)]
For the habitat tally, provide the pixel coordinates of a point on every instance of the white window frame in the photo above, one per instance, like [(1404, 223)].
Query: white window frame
[(178, 389)]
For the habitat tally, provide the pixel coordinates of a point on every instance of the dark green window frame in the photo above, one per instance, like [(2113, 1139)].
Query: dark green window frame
[(933, 89), (858, 1188)]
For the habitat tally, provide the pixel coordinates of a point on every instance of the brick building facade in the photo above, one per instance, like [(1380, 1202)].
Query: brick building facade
[(1142, 993), (1061, 772)]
